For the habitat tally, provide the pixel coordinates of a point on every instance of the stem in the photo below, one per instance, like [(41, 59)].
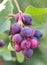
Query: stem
[(17, 5)]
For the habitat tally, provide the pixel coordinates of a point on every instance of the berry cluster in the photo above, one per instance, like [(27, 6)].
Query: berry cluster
[(25, 38)]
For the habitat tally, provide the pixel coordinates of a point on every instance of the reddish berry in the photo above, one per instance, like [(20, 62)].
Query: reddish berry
[(17, 48), (25, 44), (34, 43)]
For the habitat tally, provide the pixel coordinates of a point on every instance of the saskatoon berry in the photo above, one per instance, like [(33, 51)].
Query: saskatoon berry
[(17, 39), (25, 44), (28, 53), (17, 17), (17, 48), (34, 43), (33, 32), (26, 32), (14, 29), (35, 38), (2, 43), (38, 34), (27, 20)]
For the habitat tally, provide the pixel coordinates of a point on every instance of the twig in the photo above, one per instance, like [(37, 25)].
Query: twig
[(17, 5)]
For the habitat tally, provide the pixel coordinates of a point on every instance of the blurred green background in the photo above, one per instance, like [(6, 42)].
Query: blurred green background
[(23, 4)]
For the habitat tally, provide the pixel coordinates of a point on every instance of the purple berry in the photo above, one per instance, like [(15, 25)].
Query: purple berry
[(26, 32), (2, 43), (15, 28), (28, 53), (27, 19), (38, 34), (25, 44), (17, 39), (34, 43), (17, 17), (17, 48)]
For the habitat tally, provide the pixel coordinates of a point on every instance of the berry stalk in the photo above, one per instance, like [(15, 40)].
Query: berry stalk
[(17, 5)]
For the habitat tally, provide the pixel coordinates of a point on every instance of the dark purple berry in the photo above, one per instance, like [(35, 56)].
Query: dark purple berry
[(34, 43), (14, 29), (27, 19), (2, 43), (26, 32), (25, 44), (17, 39), (38, 34), (28, 53), (17, 48)]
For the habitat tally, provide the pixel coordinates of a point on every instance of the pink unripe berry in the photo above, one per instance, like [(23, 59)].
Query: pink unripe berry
[(34, 43), (17, 48)]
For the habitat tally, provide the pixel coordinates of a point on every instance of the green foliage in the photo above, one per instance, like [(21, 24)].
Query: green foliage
[(5, 26), (35, 11), (39, 20), (20, 57)]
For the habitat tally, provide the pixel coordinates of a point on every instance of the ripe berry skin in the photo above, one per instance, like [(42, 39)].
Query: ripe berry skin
[(17, 39), (25, 44), (34, 43), (27, 19), (17, 16), (17, 48), (28, 53), (2, 43), (33, 32), (14, 29), (38, 34), (26, 32)]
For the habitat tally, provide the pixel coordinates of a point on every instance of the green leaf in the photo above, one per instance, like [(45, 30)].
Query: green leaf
[(4, 25), (10, 48), (14, 59), (3, 36), (35, 11), (5, 53), (39, 3), (8, 9), (20, 57)]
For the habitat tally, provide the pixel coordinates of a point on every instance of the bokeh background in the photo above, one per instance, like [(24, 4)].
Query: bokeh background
[(23, 5)]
